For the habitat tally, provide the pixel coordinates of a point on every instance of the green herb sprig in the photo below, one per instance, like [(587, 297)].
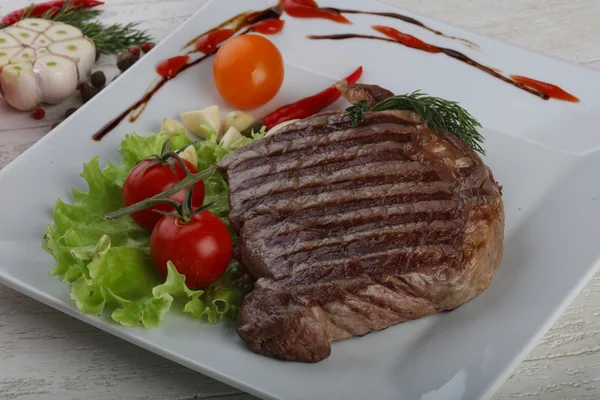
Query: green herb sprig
[(112, 39), (440, 115), (108, 39)]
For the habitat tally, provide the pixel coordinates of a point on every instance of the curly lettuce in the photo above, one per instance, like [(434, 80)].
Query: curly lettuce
[(107, 262)]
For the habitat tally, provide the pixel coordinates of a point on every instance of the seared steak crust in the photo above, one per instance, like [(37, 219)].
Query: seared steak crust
[(353, 229)]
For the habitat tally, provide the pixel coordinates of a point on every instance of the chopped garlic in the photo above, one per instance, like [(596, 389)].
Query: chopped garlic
[(199, 121), (239, 120)]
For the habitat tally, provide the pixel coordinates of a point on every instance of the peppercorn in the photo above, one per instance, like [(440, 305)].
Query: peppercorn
[(70, 111), (98, 79), (87, 92), (125, 60)]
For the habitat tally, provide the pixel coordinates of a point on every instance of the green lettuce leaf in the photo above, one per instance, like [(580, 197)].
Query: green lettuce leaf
[(108, 263)]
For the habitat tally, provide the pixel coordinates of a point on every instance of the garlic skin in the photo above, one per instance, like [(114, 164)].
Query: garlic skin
[(56, 77), (19, 84), (42, 61)]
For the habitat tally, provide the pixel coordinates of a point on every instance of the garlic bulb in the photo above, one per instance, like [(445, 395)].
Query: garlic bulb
[(42, 61)]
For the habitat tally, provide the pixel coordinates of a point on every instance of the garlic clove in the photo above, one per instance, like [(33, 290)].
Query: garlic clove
[(82, 51), (19, 86), (41, 41), (190, 154), (239, 120), (24, 36), (57, 77), (59, 32), (278, 127), (7, 54), (172, 127), (198, 121), (230, 137), (35, 24), (41, 52), (25, 55), (7, 40)]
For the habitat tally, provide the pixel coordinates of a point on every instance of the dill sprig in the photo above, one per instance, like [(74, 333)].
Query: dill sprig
[(109, 39), (440, 115)]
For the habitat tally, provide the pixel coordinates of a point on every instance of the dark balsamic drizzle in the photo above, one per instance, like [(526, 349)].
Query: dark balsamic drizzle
[(406, 19), (239, 22), (449, 52), (143, 101)]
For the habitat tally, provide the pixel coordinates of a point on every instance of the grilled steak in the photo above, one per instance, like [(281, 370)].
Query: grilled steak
[(353, 229)]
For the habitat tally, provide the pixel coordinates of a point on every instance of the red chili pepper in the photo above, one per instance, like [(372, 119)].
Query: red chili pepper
[(50, 8), (171, 67), (308, 106), (310, 9), (268, 27), (208, 43)]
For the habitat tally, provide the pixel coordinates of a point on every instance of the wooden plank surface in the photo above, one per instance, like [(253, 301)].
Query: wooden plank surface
[(47, 355)]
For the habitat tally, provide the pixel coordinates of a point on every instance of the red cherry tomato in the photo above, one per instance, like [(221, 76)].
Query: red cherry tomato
[(248, 71), (200, 249), (143, 183)]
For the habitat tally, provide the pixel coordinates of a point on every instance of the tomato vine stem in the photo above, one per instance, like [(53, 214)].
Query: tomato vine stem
[(163, 197)]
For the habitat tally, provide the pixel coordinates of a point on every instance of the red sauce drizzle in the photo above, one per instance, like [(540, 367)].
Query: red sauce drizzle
[(268, 27), (396, 36), (310, 9), (406, 39), (208, 43), (406, 19), (170, 68), (551, 90)]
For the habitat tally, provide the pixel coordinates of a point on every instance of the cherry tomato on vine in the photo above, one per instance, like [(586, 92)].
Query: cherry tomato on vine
[(200, 249), (144, 182), (248, 71)]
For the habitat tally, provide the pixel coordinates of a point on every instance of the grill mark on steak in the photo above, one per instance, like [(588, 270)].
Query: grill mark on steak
[(344, 239), (397, 213), (348, 199), (308, 232), (327, 166), (305, 144), (338, 153), (388, 262), (364, 172), (432, 232), (351, 184), (349, 249)]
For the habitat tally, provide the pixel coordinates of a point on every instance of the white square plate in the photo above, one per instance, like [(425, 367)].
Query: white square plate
[(544, 153)]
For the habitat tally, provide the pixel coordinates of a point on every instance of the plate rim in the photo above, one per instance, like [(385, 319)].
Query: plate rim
[(100, 323)]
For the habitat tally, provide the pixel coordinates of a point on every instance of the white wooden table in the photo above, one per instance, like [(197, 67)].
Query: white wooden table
[(45, 354)]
